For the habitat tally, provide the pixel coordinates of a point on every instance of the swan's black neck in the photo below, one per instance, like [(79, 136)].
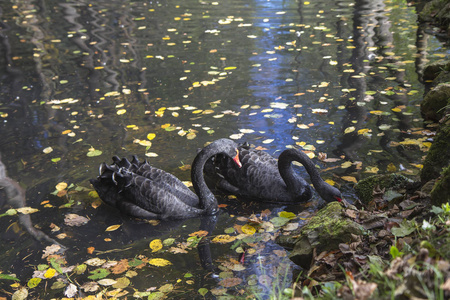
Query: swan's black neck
[(287, 172), (207, 200)]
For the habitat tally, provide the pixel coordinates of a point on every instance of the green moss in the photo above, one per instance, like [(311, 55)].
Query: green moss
[(438, 156), (364, 188), (441, 191), (325, 231), (435, 101)]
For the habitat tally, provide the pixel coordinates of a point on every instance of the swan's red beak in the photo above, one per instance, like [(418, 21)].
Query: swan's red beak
[(236, 159), (338, 199)]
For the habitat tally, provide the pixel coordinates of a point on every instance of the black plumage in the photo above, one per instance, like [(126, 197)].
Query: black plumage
[(142, 191), (262, 177)]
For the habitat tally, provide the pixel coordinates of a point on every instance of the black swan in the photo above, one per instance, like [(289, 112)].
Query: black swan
[(142, 191), (262, 177)]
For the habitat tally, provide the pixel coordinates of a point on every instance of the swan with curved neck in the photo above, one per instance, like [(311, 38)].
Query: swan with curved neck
[(143, 191), (262, 177)]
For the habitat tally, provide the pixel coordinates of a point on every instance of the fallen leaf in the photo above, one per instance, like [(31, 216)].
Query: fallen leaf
[(230, 282), (113, 227), (156, 245), (223, 239), (75, 220), (248, 229), (159, 262)]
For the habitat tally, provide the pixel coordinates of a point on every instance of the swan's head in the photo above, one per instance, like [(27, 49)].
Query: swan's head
[(330, 193), (227, 147)]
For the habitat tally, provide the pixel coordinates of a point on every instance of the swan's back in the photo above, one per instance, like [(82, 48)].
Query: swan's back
[(258, 178), (143, 191), (164, 179)]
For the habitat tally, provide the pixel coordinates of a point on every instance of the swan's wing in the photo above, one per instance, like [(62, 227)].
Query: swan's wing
[(154, 197), (170, 181), (159, 176)]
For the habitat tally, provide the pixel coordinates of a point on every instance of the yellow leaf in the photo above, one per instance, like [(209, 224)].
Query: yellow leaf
[(349, 178), (121, 111), (145, 143), (50, 273), (376, 112), (151, 136), (248, 229), (165, 125), (396, 109), (346, 165), (223, 239), (27, 210), (61, 186), (113, 227), (156, 245), (287, 214), (371, 170), (159, 262), (391, 167), (362, 131), (330, 181), (349, 129)]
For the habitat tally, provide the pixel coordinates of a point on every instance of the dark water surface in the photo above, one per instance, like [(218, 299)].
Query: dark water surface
[(337, 77)]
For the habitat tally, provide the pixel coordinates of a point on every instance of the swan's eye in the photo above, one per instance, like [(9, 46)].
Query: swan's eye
[(236, 159)]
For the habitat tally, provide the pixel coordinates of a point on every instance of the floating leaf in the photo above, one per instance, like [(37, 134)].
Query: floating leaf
[(268, 141), (156, 245), (47, 150), (168, 242), (287, 214), (95, 262), (167, 288), (121, 283), (145, 143), (203, 291), (121, 111), (223, 239), (8, 277), (75, 220), (50, 273), (230, 282), (279, 221), (106, 282), (156, 296), (33, 282), (248, 229), (349, 178), (93, 152), (61, 186), (159, 262), (98, 274), (349, 129), (151, 136), (113, 227), (27, 210), (71, 290)]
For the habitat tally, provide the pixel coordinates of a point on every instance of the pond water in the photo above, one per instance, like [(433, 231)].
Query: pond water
[(82, 81)]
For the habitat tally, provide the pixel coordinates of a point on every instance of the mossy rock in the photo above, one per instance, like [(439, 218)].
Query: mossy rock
[(438, 157), (434, 69), (441, 190), (391, 182), (435, 101), (324, 232), (436, 12)]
